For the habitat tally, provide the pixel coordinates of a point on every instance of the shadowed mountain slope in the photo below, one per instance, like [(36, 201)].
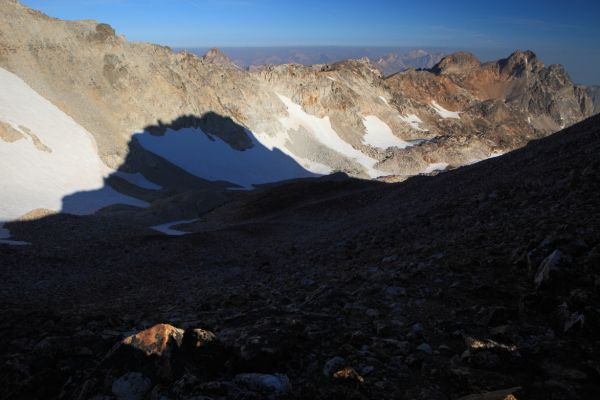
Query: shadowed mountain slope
[(479, 279)]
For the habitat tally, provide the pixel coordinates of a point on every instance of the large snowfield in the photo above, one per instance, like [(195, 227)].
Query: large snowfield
[(210, 158), (64, 161)]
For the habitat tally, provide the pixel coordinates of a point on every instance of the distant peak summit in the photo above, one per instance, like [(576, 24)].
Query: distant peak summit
[(456, 62), (216, 56), (519, 62), (523, 55)]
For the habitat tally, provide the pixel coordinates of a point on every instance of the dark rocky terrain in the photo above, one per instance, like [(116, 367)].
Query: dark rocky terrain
[(481, 279)]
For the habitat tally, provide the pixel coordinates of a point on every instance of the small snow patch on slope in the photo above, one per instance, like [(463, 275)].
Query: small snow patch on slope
[(443, 112), (414, 121), (380, 135), (166, 228), (435, 167), (5, 235), (32, 179), (138, 180), (14, 242), (322, 131), (213, 159), (280, 142), (383, 99)]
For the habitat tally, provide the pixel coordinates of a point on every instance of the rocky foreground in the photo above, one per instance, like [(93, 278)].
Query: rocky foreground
[(478, 283)]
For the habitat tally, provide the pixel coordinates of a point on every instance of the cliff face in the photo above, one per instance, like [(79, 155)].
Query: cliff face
[(594, 93)]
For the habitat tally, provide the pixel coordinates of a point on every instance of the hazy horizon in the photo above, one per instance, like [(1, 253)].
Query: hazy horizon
[(565, 33), (338, 53)]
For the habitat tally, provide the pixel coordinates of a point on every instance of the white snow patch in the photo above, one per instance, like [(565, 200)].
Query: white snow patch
[(435, 167), (213, 159), (322, 131), (14, 242), (384, 100), (331, 78), (166, 228), (280, 142), (31, 178), (380, 135), (494, 154), (138, 180), (443, 112), (5, 235), (414, 121)]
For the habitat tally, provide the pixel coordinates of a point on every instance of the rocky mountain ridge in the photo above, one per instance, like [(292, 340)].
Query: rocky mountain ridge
[(144, 104)]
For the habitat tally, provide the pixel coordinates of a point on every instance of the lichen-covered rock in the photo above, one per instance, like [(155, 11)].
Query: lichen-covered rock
[(154, 351), (160, 340)]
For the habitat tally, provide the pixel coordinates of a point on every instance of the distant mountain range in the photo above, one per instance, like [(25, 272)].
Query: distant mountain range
[(388, 60)]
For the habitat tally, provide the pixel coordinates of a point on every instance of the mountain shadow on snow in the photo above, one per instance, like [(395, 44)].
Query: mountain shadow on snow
[(208, 153)]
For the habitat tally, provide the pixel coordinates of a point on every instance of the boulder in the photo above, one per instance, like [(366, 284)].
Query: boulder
[(333, 365), (549, 267), (163, 350), (131, 386), (267, 384), (160, 340), (348, 374)]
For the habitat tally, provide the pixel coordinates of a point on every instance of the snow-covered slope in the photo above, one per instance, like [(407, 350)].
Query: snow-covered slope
[(442, 112), (320, 130), (380, 135), (48, 156), (211, 158), (138, 180), (272, 157)]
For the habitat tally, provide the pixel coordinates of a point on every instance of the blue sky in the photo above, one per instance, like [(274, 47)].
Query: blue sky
[(560, 31)]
